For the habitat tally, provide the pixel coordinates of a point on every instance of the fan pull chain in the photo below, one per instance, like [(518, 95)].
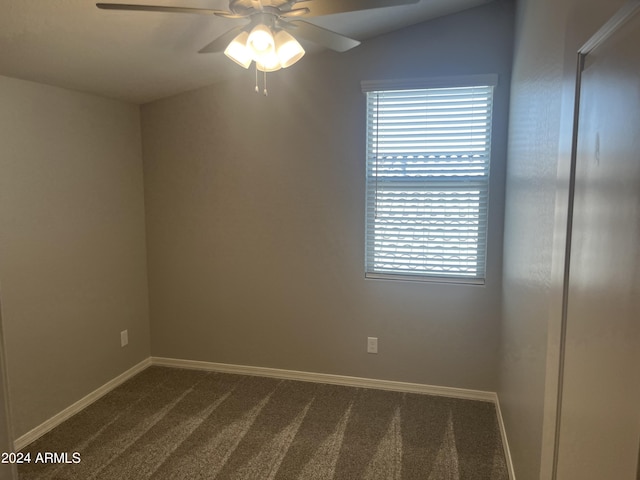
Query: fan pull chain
[(264, 80), (265, 84), (257, 89)]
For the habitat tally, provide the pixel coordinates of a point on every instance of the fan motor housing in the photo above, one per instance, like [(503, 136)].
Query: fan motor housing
[(250, 7)]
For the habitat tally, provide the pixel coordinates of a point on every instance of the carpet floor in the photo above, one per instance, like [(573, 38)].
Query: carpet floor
[(168, 423)]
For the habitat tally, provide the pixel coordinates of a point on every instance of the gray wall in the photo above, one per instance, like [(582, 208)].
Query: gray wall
[(255, 219), (72, 250), (548, 35)]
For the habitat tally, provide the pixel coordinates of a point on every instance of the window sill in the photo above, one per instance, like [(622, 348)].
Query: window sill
[(425, 279)]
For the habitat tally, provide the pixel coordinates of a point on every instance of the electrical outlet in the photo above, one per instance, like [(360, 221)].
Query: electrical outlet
[(124, 338), (372, 344)]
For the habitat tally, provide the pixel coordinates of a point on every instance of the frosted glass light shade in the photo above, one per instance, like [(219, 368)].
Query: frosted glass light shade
[(288, 49), (268, 63), (238, 52), (261, 41)]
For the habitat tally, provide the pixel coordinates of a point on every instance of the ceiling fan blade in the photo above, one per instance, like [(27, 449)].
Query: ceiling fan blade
[(320, 7), (295, 12), (319, 35), (159, 8), (220, 43)]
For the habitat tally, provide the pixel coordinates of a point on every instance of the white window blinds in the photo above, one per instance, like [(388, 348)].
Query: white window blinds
[(428, 153)]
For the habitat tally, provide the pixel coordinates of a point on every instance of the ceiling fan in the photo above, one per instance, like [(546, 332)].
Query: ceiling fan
[(266, 38)]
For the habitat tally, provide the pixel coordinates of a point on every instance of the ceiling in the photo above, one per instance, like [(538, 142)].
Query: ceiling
[(142, 56)]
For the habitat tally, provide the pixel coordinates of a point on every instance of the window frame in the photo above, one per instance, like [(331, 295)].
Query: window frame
[(370, 86)]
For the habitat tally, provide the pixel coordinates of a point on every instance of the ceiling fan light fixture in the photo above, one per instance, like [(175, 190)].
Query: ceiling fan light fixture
[(288, 49), (238, 52), (261, 41)]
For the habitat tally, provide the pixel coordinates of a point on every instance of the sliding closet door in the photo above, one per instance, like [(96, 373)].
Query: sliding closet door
[(600, 416)]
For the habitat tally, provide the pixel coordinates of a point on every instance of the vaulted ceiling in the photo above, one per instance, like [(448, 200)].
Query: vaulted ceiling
[(143, 56)]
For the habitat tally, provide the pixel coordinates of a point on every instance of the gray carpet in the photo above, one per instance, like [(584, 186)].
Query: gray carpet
[(184, 424)]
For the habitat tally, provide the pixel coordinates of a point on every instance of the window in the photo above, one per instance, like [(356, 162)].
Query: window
[(428, 155)]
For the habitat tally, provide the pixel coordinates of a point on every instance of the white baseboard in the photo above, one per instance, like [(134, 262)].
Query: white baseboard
[(328, 378), (32, 435), (505, 442)]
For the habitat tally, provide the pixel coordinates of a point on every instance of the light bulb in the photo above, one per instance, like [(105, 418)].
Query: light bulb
[(260, 41)]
